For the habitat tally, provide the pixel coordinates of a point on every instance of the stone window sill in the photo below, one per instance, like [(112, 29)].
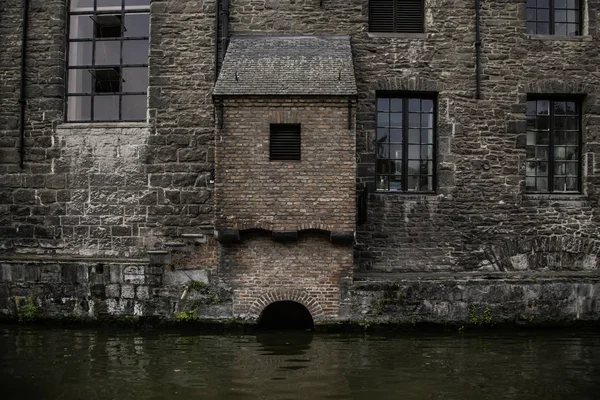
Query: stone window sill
[(397, 35), (555, 197), (90, 125), (585, 38)]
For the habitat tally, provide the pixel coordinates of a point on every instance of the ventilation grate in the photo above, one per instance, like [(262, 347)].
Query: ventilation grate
[(406, 16), (285, 142)]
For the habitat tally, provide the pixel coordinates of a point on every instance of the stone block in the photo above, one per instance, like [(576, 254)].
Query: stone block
[(127, 291), (113, 291)]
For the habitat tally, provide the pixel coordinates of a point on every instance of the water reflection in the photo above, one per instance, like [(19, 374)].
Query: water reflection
[(94, 364)]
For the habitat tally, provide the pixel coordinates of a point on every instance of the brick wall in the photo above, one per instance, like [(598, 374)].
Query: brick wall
[(311, 271), (314, 193)]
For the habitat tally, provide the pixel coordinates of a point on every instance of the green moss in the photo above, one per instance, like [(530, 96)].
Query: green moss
[(197, 286), (480, 316), (187, 315), (28, 312)]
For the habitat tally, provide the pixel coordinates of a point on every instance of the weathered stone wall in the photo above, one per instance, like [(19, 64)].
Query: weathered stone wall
[(310, 271), (106, 189), (480, 200), (314, 193)]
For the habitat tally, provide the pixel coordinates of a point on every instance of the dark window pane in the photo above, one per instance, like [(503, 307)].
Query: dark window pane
[(395, 182), (559, 138), (108, 4), (531, 14), (396, 135), (531, 3), (383, 167), (82, 5), (135, 52), (560, 3), (542, 123), (134, 108), (80, 81), (414, 167), (79, 108), (531, 28), (80, 53), (543, 107), (382, 135), (531, 107), (543, 138), (136, 3), (541, 153), (137, 25), (426, 135), (543, 28), (383, 151), (572, 184), (542, 184), (543, 3), (396, 151), (108, 26), (383, 119), (414, 152), (135, 79), (560, 184), (427, 120), (559, 107), (396, 120), (560, 29), (81, 27), (413, 183), (106, 108), (530, 168), (396, 105), (414, 120), (427, 106), (571, 168), (426, 152), (530, 138), (382, 183), (543, 15), (383, 104), (560, 168), (530, 184), (560, 16), (414, 136), (414, 105), (108, 53), (572, 138)]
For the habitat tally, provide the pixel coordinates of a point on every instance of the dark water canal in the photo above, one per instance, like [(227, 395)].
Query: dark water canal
[(44, 363)]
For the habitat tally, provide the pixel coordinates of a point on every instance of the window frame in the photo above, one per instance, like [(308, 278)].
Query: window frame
[(405, 96), (396, 28), (552, 19), (579, 101), (93, 12)]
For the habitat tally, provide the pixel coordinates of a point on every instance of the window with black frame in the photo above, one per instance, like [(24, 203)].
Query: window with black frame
[(405, 144), (554, 17), (108, 60), (553, 145)]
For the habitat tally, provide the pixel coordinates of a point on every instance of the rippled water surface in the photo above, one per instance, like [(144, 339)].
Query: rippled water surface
[(43, 363)]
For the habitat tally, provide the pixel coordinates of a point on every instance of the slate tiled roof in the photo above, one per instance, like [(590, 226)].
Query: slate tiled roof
[(287, 65)]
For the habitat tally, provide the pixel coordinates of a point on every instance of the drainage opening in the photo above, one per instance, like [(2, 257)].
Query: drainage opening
[(285, 315)]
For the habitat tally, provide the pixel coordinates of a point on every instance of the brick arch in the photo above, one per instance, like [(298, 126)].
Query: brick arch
[(522, 253), (417, 84), (299, 296)]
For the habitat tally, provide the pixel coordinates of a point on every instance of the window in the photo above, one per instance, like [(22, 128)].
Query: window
[(285, 142), (397, 16), (553, 146), (108, 60), (405, 144), (554, 17)]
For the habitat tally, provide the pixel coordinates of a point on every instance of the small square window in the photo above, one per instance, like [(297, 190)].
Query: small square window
[(285, 142), (108, 26)]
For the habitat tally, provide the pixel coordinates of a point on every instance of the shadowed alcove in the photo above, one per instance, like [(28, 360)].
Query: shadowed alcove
[(288, 315)]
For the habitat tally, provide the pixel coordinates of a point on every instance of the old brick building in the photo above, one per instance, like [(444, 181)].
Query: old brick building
[(385, 160)]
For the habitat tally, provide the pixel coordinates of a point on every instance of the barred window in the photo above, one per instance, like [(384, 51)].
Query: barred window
[(554, 17), (285, 142), (405, 144), (108, 60), (397, 16), (553, 146)]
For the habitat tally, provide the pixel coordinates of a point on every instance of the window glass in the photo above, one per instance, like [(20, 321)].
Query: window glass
[(552, 150), (405, 144), (554, 17), (108, 60)]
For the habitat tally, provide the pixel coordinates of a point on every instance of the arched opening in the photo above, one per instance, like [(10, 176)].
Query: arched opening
[(285, 315)]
